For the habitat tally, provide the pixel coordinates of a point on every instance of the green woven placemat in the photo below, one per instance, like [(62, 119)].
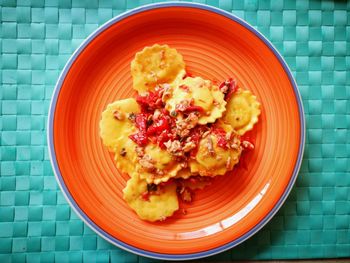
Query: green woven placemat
[(37, 38)]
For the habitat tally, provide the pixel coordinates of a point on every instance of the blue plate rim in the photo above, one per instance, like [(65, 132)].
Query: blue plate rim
[(75, 206)]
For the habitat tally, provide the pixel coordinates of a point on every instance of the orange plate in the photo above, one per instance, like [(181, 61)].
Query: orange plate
[(215, 45)]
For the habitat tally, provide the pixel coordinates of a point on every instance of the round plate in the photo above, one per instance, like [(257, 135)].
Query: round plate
[(215, 45)]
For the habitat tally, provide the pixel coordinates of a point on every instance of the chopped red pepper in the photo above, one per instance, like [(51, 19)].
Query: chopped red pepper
[(158, 132), (157, 127), (140, 138), (171, 120), (164, 112), (194, 108), (195, 136), (221, 137), (189, 108), (145, 196), (141, 121), (151, 101), (163, 138), (228, 87)]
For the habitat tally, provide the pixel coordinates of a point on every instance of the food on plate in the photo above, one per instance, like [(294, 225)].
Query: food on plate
[(157, 165), (196, 94), (156, 65), (242, 111), (125, 155), (177, 134), (151, 202), (115, 121), (218, 152)]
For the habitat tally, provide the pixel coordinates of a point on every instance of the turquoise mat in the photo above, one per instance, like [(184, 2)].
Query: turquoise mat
[(36, 39)]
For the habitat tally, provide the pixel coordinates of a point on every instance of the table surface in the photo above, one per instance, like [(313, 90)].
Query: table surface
[(36, 40)]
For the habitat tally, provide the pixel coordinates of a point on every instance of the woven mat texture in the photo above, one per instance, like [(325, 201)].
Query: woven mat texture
[(36, 39)]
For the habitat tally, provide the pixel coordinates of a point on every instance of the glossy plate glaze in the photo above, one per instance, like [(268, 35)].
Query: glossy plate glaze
[(215, 45)]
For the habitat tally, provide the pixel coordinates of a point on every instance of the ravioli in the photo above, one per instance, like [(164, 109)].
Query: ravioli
[(115, 123), (158, 207), (166, 167), (125, 155), (199, 93), (178, 133), (155, 65), (211, 159), (242, 111)]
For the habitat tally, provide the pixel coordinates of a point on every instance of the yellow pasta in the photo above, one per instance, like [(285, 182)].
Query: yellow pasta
[(186, 132), (218, 109), (115, 123), (211, 159), (125, 155), (198, 92), (155, 65), (158, 207), (242, 111), (165, 167)]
